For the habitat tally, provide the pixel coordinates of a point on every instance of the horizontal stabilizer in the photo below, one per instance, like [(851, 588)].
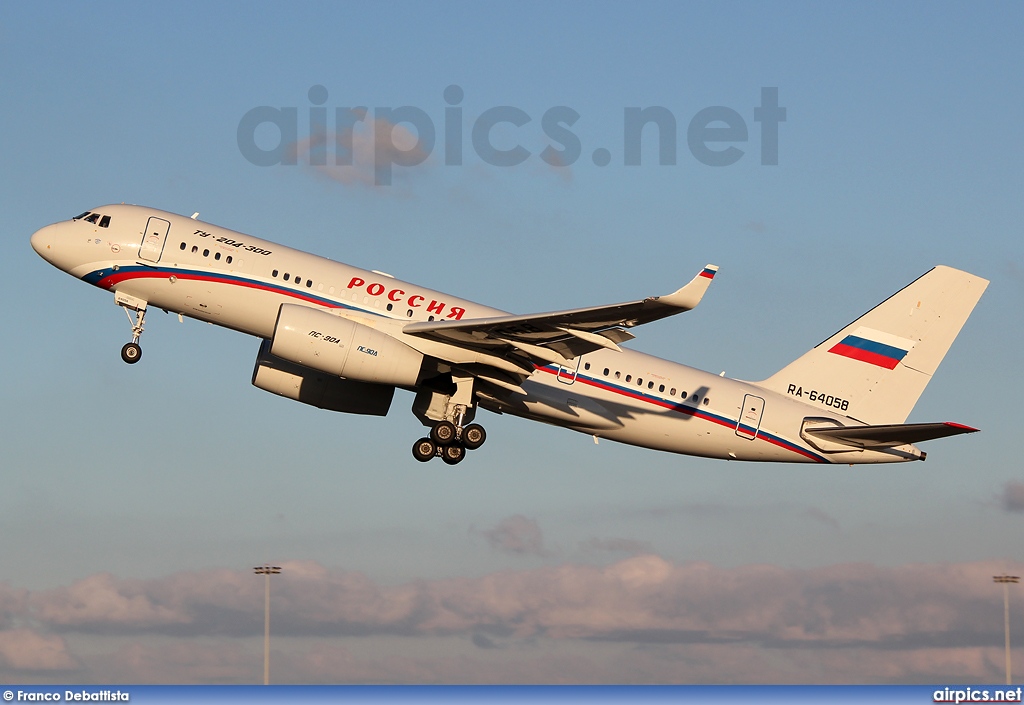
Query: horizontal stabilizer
[(889, 435)]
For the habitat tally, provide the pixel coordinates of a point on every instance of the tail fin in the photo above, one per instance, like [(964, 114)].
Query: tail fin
[(876, 368)]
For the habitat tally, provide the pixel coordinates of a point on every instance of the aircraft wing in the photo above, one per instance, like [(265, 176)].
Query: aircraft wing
[(553, 338), (889, 435)]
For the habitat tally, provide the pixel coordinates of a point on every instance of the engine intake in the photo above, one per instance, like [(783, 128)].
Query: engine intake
[(328, 343)]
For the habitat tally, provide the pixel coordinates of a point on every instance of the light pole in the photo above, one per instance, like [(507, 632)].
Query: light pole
[(1006, 580), (266, 570)]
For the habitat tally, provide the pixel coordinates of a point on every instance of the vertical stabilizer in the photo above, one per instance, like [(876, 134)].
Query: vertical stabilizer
[(876, 368)]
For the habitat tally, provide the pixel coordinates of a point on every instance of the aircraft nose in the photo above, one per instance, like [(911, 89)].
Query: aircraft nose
[(42, 241)]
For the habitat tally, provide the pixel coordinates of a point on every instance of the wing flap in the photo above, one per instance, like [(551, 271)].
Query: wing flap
[(545, 338)]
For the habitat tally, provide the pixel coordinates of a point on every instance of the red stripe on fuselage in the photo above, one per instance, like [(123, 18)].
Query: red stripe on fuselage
[(687, 411), (112, 279)]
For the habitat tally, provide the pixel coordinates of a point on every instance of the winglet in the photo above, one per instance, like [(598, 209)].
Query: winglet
[(690, 295)]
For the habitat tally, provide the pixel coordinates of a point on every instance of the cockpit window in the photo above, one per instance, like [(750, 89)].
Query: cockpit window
[(79, 217), (105, 221), (92, 218)]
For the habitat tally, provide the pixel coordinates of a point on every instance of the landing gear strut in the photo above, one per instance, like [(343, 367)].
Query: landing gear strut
[(132, 352), (447, 412)]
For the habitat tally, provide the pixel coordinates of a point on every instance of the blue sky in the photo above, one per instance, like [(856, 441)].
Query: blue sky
[(138, 492)]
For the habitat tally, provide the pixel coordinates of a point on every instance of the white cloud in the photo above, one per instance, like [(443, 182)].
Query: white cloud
[(1013, 497), (516, 534), (376, 148), (27, 650), (894, 621), (616, 545)]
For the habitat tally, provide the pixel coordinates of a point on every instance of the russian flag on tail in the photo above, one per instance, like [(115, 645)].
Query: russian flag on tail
[(873, 347)]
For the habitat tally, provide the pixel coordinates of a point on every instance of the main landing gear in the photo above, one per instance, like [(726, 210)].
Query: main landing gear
[(132, 352), (449, 442), (447, 410)]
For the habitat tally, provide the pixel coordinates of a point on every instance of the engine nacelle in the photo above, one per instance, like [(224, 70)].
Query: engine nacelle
[(320, 389), (328, 343)]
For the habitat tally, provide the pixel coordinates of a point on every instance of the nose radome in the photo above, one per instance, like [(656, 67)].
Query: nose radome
[(41, 241)]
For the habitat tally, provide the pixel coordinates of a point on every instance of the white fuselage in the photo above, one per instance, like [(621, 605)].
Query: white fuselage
[(238, 281)]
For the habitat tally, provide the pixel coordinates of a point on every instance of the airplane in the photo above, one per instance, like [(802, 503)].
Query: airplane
[(344, 339)]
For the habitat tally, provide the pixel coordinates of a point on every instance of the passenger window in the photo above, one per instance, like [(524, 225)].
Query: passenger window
[(331, 290), (586, 365), (606, 371), (309, 283), (409, 313), (298, 280), (206, 253), (194, 249), (183, 246), (617, 374), (629, 378), (705, 401), (650, 385), (661, 387), (228, 260), (274, 274), (286, 275), (639, 382), (216, 256), (319, 287), (105, 221), (390, 306), (683, 395), (430, 318)]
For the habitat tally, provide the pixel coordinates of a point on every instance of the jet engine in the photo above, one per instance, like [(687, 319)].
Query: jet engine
[(322, 341), (319, 389)]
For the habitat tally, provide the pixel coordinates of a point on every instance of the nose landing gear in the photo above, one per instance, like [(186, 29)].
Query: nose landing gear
[(132, 352)]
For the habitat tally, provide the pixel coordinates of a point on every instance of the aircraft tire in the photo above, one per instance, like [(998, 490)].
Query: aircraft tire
[(453, 454), (131, 353), (443, 433), (423, 450), (473, 436)]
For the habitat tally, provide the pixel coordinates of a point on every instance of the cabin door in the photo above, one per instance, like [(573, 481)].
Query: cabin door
[(153, 239), (750, 417)]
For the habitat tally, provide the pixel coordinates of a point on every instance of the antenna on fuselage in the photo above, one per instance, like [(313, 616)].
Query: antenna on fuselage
[(195, 215)]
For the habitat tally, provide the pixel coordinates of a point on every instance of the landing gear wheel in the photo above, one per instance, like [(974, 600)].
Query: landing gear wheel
[(453, 454), (443, 433), (423, 450), (131, 353), (473, 436)]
